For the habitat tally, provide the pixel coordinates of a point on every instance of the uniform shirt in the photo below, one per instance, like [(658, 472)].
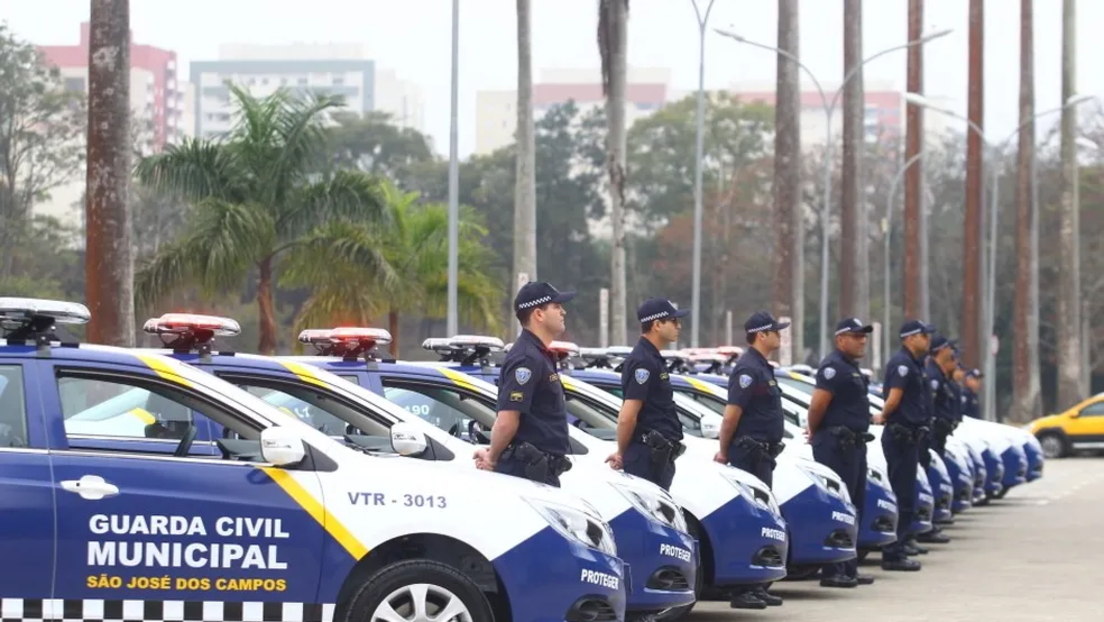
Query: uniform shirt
[(970, 406), (752, 387), (906, 373), (644, 377), (945, 402), (530, 383), (850, 406)]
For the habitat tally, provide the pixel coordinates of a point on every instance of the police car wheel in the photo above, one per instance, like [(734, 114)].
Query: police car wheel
[(419, 591)]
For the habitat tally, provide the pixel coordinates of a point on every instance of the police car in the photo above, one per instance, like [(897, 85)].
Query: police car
[(796, 405), (741, 533), (270, 520), (701, 406), (647, 524)]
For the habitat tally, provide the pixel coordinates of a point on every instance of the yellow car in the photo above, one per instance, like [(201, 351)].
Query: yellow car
[(1080, 427)]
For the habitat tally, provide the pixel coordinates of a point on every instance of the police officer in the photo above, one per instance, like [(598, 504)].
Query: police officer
[(839, 423), (751, 434), (945, 412), (906, 417), (970, 404), (649, 432), (529, 437)]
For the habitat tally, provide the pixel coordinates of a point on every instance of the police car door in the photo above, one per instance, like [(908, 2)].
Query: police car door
[(145, 531), (26, 498)]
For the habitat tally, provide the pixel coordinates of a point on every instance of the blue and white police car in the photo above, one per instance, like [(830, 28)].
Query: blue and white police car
[(648, 525), (271, 520), (741, 533)]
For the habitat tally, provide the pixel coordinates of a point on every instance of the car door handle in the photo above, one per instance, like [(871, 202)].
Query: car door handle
[(90, 487)]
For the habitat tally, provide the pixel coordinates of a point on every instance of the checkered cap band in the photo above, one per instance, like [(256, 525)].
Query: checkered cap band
[(96, 610), (535, 303), (761, 328), (654, 316)]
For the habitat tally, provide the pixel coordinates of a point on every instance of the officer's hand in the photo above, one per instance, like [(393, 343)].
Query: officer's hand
[(615, 461), (721, 457), (483, 460), (879, 419)]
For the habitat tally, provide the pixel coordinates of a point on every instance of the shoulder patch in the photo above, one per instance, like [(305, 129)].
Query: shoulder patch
[(829, 373), (902, 370), (517, 396), (934, 383), (522, 375), (641, 375), (745, 381)]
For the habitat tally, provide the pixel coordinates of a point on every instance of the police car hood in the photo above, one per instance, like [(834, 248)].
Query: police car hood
[(993, 434)]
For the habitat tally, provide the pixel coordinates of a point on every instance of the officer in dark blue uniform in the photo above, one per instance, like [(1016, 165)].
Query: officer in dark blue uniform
[(529, 437), (970, 404), (945, 404), (839, 424), (751, 434), (649, 432), (906, 415)]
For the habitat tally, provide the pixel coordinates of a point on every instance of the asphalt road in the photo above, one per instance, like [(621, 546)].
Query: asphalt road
[(1033, 556)]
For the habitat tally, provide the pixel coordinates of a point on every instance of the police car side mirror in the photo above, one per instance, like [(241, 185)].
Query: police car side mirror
[(711, 426), (407, 440), (282, 446)]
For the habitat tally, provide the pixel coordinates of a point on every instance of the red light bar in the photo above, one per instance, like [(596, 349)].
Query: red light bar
[(177, 323), (729, 350), (564, 347), (345, 334)]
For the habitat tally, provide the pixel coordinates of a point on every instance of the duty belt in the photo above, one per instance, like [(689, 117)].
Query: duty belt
[(663, 451), (847, 439), (538, 464), (759, 448), (908, 434), (944, 426)]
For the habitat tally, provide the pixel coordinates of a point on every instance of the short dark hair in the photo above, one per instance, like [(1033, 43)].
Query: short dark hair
[(523, 315), (646, 327), (751, 338)]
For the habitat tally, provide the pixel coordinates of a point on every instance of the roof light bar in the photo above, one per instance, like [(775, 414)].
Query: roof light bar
[(569, 348), (619, 351), (181, 323), (23, 310)]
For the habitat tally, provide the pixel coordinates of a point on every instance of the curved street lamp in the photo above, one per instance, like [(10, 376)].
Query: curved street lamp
[(991, 276), (829, 109)]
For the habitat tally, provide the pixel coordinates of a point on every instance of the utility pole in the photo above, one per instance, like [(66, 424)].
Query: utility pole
[(975, 338), (1071, 388), (789, 241), (699, 156), (853, 273), (525, 190), (914, 139), (109, 265), (453, 314)]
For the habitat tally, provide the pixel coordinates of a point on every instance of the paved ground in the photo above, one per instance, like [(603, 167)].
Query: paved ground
[(1034, 556)]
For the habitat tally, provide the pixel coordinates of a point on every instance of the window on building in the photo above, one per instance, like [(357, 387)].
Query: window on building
[(74, 84), (338, 79)]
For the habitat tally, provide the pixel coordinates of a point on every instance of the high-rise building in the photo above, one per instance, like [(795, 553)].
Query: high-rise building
[(496, 111), (337, 69), (156, 96)]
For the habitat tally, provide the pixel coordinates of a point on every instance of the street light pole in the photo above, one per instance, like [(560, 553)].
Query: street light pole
[(454, 179), (829, 109), (991, 274), (886, 316), (695, 297)]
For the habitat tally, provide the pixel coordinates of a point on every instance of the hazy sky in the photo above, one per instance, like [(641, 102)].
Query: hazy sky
[(413, 37)]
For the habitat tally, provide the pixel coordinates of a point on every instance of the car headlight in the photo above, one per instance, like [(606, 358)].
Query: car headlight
[(663, 510), (762, 498), (833, 486), (577, 525)]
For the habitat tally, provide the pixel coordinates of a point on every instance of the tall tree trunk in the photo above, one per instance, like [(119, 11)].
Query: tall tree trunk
[(525, 192), (789, 241), (914, 137), (393, 328), (975, 340), (266, 308), (1070, 373), (109, 264), (854, 280), (613, 43), (1025, 385)]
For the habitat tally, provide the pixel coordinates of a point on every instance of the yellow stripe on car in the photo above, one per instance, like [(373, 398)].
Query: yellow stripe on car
[(460, 379), (143, 414), (163, 369), (303, 372), (317, 511)]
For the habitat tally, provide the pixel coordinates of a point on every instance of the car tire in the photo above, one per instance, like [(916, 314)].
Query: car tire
[(1000, 493), (396, 588), (1054, 446)]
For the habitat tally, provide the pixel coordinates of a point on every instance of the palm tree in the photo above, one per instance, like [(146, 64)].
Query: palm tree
[(338, 261), (256, 196)]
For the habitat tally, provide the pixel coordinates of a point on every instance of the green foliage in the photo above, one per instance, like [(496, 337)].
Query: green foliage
[(255, 196), (372, 143)]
